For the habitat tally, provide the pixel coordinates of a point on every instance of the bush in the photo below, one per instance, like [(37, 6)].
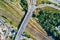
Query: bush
[(24, 5), (49, 20)]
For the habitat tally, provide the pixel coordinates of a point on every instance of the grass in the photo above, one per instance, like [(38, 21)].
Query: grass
[(9, 12), (45, 1), (50, 9), (28, 34), (46, 8), (41, 1), (15, 3), (16, 14)]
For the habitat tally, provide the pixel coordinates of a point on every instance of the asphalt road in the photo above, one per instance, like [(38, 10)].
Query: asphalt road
[(8, 29), (31, 8), (50, 5), (29, 14), (55, 1)]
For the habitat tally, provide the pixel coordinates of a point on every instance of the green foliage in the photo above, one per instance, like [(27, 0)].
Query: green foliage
[(33, 15), (24, 5), (26, 35), (11, 0), (11, 22), (0, 0), (49, 20), (4, 17)]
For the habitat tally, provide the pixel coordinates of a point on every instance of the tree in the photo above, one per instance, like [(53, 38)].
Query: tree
[(24, 5), (49, 20)]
